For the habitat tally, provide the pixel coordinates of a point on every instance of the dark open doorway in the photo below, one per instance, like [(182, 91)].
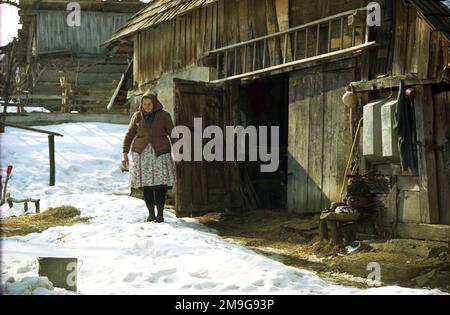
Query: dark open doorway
[(265, 102)]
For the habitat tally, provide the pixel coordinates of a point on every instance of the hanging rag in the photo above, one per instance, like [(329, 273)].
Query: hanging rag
[(405, 125)]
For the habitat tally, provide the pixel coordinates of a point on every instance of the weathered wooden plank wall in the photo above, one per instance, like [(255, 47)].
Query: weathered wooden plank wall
[(185, 39), (227, 22), (96, 27), (412, 48)]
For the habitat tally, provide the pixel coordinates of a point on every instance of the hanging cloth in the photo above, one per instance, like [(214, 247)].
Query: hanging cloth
[(405, 125)]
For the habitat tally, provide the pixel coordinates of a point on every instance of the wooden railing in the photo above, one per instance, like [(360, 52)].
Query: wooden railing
[(51, 146), (321, 39)]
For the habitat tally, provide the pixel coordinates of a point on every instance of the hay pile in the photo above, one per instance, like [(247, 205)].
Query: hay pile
[(36, 223)]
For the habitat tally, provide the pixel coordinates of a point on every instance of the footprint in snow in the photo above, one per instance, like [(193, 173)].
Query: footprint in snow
[(156, 276), (259, 283), (132, 276), (24, 268)]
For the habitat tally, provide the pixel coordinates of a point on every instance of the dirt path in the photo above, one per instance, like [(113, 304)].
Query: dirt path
[(293, 240)]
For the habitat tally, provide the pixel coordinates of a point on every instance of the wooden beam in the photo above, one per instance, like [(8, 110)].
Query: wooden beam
[(32, 129), (390, 82), (321, 58), (58, 97)]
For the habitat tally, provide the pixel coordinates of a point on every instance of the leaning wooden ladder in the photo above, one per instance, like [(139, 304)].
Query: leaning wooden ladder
[(250, 58)]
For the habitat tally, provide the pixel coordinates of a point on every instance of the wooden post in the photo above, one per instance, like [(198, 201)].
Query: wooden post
[(37, 206), (323, 230), (51, 148), (336, 237), (1, 189), (10, 73), (349, 231), (25, 207)]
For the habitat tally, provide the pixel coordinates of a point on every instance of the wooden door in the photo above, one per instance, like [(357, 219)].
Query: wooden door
[(204, 186), (319, 135)]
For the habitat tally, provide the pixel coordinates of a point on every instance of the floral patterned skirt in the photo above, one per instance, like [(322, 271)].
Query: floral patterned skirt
[(148, 170)]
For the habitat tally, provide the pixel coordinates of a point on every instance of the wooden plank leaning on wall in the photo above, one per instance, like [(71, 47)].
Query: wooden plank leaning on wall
[(442, 132), (424, 110)]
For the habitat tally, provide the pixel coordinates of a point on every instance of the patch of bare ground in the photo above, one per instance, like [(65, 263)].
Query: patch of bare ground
[(293, 240)]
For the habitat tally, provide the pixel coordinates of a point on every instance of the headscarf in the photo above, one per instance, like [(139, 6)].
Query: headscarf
[(157, 106)]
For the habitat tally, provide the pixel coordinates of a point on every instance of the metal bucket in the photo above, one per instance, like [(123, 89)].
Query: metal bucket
[(62, 272)]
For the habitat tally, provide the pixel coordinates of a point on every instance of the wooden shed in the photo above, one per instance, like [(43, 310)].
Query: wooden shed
[(61, 63), (288, 63)]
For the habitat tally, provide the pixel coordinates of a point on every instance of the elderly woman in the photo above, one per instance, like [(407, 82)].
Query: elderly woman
[(151, 167)]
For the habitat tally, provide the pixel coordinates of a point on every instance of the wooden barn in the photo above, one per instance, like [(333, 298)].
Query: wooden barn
[(64, 67), (288, 63)]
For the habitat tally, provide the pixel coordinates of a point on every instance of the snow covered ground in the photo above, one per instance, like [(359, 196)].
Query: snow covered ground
[(120, 253), (13, 109)]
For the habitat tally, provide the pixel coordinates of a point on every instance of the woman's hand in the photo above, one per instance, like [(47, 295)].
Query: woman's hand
[(125, 161)]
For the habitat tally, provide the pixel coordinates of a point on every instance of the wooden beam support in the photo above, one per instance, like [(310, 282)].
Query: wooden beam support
[(390, 82), (32, 129)]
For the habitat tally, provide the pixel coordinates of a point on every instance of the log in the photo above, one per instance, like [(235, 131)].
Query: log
[(341, 217)]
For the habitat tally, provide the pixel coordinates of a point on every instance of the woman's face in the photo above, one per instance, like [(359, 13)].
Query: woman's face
[(147, 105)]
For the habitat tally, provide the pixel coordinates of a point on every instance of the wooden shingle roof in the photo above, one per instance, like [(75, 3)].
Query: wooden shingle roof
[(156, 12)]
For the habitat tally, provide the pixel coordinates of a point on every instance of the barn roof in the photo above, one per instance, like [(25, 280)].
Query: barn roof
[(156, 12), (436, 13)]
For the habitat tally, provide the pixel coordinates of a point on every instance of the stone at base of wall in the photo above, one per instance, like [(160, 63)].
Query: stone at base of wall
[(430, 232), (426, 249)]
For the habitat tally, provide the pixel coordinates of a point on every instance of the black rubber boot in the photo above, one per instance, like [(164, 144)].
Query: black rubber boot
[(160, 216), (151, 212), (149, 197)]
